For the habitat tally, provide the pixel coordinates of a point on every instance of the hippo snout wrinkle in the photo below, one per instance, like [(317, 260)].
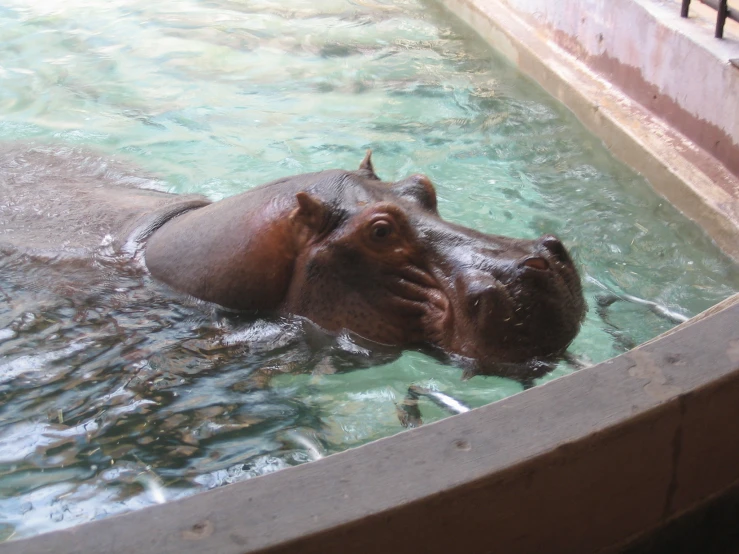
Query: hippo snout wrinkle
[(481, 294)]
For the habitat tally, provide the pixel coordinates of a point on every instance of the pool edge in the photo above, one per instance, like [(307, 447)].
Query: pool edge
[(690, 178)]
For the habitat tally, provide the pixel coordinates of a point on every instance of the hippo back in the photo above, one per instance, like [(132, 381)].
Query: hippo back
[(67, 202)]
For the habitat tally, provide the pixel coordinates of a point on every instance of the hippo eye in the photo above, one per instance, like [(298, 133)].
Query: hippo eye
[(381, 229)]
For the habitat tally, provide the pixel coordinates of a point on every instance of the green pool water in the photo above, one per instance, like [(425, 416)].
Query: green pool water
[(116, 393)]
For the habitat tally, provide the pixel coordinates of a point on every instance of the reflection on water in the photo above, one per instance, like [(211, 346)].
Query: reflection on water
[(117, 393)]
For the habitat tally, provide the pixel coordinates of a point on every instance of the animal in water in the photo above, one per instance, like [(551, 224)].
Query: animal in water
[(344, 249)]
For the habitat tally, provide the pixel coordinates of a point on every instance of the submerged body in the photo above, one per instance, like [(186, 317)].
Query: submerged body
[(65, 203), (341, 248)]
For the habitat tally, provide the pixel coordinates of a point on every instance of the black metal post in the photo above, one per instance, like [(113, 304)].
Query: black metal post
[(723, 11), (684, 10)]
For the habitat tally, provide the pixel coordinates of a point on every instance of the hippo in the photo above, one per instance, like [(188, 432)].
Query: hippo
[(343, 249)]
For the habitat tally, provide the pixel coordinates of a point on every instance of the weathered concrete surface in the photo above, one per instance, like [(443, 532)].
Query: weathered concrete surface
[(672, 66), (659, 90), (577, 465)]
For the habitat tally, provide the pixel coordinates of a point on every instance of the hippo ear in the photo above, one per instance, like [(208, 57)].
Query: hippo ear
[(311, 212), (418, 188), (366, 166)]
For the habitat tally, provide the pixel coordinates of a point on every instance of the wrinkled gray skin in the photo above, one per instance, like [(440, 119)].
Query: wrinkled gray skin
[(59, 202), (341, 248)]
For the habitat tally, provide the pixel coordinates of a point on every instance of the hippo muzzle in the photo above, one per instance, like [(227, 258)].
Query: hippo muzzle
[(517, 300), (351, 252)]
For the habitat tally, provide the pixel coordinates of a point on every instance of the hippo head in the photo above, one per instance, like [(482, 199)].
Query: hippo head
[(378, 260)]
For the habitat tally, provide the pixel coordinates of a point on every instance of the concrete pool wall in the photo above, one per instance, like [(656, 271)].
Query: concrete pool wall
[(658, 89), (585, 463)]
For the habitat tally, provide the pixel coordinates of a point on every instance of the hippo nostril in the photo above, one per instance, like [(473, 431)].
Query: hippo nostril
[(536, 263), (555, 246)]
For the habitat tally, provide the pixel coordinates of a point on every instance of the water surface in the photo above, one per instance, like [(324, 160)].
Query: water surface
[(116, 393)]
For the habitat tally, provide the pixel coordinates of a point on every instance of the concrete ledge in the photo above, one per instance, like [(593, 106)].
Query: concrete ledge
[(684, 172), (577, 465)]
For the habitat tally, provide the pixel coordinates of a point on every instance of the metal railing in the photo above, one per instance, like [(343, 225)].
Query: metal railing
[(721, 6)]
